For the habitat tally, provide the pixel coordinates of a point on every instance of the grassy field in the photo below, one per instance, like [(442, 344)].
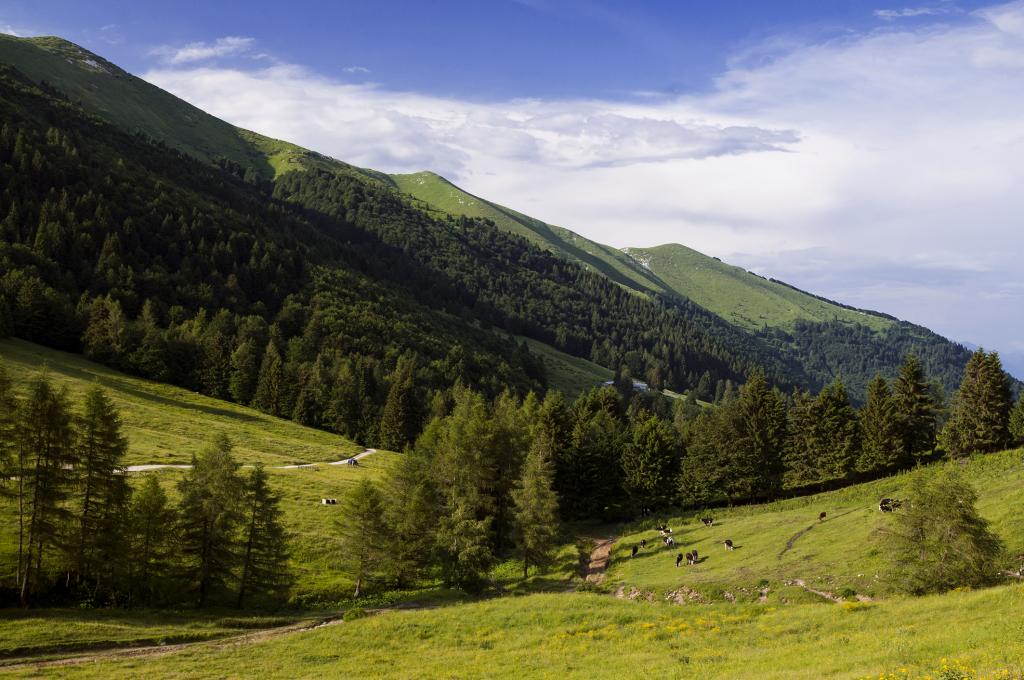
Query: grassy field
[(51, 631), (593, 636), (568, 374), (777, 544), (166, 424)]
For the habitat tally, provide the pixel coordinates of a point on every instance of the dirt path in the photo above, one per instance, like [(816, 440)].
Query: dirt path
[(600, 559), (116, 653), (796, 537), (832, 597), (147, 468)]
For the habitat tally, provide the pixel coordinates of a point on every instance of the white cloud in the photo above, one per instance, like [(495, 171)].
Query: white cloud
[(909, 12), (200, 51), (7, 29), (882, 169), (356, 69)]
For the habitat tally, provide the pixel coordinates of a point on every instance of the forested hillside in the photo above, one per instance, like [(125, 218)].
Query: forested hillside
[(319, 296)]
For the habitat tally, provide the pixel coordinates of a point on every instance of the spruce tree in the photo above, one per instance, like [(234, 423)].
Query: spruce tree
[(8, 410), (838, 433), (100, 449), (400, 419), (980, 418), (650, 462), (508, 443), (44, 440), (151, 523), (535, 506), (755, 464), (265, 558), (915, 410), (882, 450), (244, 372), (208, 519), (362, 533), (268, 385)]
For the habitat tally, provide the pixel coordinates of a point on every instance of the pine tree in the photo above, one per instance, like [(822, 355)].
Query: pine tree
[(755, 465), (8, 411), (244, 372), (44, 439), (882, 450), (151, 522), (838, 432), (535, 506), (209, 517), (915, 410), (650, 462), (508, 442), (980, 419), (100, 449), (268, 385), (265, 559), (362, 533)]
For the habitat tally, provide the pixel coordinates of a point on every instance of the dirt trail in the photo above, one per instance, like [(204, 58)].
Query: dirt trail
[(826, 594), (147, 468), (115, 653), (600, 559), (796, 537)]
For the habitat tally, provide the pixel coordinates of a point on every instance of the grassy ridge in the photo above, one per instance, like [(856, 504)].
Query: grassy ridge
[(591, 636), (568, 374), (440, 194), (166, 424), (835, 555), (745, 299)]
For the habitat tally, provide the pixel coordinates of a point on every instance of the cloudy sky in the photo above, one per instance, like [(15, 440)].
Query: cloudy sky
[(872, 152)]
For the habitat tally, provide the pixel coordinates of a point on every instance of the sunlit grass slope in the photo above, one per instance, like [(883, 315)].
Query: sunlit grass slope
[(592, 636), (166, 424), (568, 374), (439, 193), (778, 543)]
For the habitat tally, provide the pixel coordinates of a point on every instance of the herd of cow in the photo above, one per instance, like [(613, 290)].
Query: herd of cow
[(884, 505)]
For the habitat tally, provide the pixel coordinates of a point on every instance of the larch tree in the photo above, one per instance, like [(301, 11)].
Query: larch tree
[(208, 519), (535, 506), (151, 525), (44, 439), (412, 514), (264, 567), (101, 485), (361, 533)]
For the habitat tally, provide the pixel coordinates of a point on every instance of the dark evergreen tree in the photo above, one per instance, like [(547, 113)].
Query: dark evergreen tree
[(400, 419), (508, 442), (916, 410), (245, 366), (208, 519), (756, 467), (8, 432), (264, 567), (650, 462), (823, 441), (412, 509), (268, 385), (980, 418), (882, 448), (1017, 419)]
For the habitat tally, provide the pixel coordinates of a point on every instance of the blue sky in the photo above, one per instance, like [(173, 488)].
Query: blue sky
[(866, 151)]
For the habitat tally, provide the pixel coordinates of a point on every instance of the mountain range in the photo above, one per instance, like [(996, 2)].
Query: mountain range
[(146, 201)]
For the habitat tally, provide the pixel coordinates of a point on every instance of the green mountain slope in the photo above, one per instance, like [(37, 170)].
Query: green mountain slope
[(745, 299), (440, 194), (166, 424)]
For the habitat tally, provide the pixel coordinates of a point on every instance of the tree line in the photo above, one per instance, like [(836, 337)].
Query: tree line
[(85, 534)]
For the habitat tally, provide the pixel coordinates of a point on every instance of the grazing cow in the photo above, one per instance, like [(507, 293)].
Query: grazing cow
[(643, 543), (821, 517), (690, 559), (328, 501), (669, 541), (634, 552), (728, 544), (660, 527), (707, 521), (889, 504), (695, 556), (679, 559)]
